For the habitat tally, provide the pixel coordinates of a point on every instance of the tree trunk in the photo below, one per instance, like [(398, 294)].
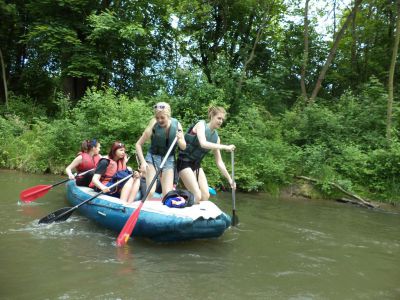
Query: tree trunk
[(332, 52), (305, 54), (3, 72), (391, 76), (249, 59), (353, 67), (75, 87)]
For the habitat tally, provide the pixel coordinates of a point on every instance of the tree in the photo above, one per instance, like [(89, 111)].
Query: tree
[(391, 75), (332, 52), (3, 73), (305, 54)]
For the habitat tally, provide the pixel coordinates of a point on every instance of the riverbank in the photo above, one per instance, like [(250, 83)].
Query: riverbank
[(306, 191)]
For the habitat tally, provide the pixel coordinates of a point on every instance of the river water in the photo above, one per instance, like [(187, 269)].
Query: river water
[(282, 249)]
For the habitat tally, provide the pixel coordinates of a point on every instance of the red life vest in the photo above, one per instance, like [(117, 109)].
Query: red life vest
[(112, 168), (88, 162)]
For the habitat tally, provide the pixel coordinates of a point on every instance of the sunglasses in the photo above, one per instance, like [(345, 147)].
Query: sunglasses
[(120, 145), (159, 106)]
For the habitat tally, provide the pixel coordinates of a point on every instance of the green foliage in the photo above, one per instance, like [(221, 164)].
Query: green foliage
[(61, 58), (23, 108), (108, 117), (384, 165)]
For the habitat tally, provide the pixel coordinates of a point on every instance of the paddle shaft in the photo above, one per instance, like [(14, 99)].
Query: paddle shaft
[(127, 230), (54, 217), (76, 175), (234, 217)]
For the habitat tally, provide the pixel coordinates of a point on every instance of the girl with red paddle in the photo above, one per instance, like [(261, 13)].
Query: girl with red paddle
[(86, 160)]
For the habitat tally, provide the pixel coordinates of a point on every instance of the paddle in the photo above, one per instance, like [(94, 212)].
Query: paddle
[(127, 230), (31, 194), (235, 218), (65, 212)]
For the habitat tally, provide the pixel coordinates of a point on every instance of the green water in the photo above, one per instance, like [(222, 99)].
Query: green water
[(282, 249)]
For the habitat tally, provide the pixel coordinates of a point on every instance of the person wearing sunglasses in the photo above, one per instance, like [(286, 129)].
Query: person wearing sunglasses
[(85, 160), (113, 168), (202, 138), (161, 131)]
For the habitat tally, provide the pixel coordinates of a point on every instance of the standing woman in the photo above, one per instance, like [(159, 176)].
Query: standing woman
[(201, 138), (162, 130), (86, 160), (113, 168)]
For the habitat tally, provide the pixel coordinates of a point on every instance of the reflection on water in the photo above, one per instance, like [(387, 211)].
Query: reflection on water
[(282, 249)]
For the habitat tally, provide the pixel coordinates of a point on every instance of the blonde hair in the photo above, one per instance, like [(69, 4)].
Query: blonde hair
[(162, 108), (214, 110)]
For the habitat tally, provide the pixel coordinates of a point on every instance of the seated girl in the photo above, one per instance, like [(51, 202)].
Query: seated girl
[(113, 168), (85, 160)]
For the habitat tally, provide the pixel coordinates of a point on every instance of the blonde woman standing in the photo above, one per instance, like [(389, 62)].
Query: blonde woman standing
[(202, 138), (161, 131)]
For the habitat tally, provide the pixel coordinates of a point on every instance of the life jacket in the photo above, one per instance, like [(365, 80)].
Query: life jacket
[(193, 151), (88, 162), (112, 168), (160, 142)]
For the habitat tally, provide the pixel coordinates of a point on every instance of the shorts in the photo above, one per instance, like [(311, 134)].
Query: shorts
[(116, 190), (84, 180), (157, 159), (183, 164)]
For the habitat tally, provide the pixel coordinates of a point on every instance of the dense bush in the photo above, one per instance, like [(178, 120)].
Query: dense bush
[(339, 141)]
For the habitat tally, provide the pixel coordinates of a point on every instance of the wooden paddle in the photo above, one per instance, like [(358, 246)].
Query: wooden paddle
[(32, 193), (65, 212), (127, 230), (235, 218)]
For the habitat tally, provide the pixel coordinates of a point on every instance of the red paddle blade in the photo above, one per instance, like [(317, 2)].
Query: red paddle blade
[(33, 193), (126, 232)]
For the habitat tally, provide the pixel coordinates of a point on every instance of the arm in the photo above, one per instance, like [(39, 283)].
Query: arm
[(100, 170), (201, 135), (181, 138), (221, 166), (146, 135), (73, 165)]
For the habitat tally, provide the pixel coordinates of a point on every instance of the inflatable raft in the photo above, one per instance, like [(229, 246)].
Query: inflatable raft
[(156, 221)]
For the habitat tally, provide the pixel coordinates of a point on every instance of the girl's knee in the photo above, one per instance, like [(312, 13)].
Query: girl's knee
[(197, 196), (205, 196)]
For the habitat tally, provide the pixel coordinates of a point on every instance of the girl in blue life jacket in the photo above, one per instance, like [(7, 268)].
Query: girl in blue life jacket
[(200, 139), (161, 130)]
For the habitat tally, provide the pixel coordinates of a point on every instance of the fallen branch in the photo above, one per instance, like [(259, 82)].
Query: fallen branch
[(358, 198)]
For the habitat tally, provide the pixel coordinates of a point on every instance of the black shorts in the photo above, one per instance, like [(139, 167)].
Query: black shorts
[(85, 179), (183, 164)]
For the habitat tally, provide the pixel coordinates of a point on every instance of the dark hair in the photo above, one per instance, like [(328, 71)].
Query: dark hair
[(115, 146), (88, 145)]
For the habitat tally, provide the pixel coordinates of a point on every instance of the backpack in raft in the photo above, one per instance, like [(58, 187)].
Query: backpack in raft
[(178, 199)]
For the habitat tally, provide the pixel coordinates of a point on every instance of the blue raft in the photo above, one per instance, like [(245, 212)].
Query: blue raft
[(156, 221)]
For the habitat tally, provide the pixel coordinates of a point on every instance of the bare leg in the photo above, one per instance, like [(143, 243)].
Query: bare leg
[(167, 181), (126, 190), (190, 181), (203, 184), (134, 190), (150, 173)]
